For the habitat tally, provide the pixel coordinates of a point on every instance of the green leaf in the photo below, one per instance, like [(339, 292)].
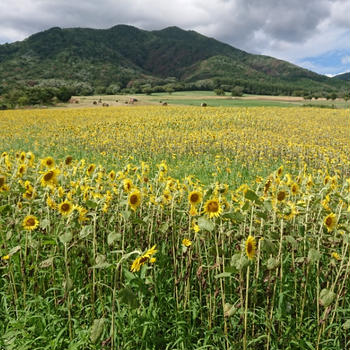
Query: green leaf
[(326, 297), (346, 324), (239, 261), (112, 237), (245, 206), (101, 262), (126, 214), (252, 196), (46, 263), (314, 255), (96, 329), (91, 204), (261, 215), (292, 241), (85, 231), (235, 216), (229, 310), (223, 275), (164, 227), (272, 263), (14, 250), (4, 209), (66, 237), (127, 296), (45, 223), (205, 224)]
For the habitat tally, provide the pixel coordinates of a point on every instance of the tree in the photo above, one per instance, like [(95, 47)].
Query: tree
[(219, 92), (237, 91)]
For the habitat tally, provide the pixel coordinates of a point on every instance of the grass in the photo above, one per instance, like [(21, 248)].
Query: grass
[(196, 98)]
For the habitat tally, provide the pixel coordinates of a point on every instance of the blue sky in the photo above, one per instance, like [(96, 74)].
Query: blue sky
[(314, 34)]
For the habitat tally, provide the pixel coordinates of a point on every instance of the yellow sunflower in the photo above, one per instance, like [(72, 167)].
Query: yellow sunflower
[(50, 177), (186, 242), (294, 188), (90, 169), (250, 247), (195, 197), (68, 160), (21, 170), (48, 162), (134, 199), (127, 185), (30, 222), (65, 208), (147, 256), (281, 196), (111, 175), (212, 208), (2, 180), (330, 221)]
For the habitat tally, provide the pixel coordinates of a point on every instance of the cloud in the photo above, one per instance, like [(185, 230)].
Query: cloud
[(290, 30)]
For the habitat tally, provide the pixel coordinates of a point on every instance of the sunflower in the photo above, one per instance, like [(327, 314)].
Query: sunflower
[(138, 262), (336, 256), (2, 180), (21, 170), (65, 208), (167, 197), (186, 242), (48, 162), (49, 178), (111, 175), (68, 160), (330, 222), (212, 208), (127, 185), (290, 211), (22, 157), (250, 247), (195, 197), (281, 196), (280, 170), (294, 189), (29, 194), (134, 199), (90, 169), (30, 223)]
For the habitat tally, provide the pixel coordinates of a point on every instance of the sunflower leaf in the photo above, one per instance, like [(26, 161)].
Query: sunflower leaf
[(205, 224), (96, 329), (326, 297), (127, 296), (252, 196)]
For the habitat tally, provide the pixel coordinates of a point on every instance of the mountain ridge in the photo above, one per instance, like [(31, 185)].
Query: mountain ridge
[(125, 56)]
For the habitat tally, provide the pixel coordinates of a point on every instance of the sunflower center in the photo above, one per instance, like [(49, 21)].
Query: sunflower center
[(68, 160), (133, 199), (213, 207), (30, 222), (329, 221), (194, 197), (281, 195), (65, 207), (249, 247), (21, 169), (49, 162), (48, 176), (2, 181)]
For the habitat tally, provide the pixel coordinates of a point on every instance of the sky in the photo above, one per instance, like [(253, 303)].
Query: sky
[(314, 34)]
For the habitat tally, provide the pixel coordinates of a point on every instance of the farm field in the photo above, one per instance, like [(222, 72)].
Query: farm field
[(196, 98), (174, 227)]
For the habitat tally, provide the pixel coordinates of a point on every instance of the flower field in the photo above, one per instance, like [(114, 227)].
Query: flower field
[(175, 228)]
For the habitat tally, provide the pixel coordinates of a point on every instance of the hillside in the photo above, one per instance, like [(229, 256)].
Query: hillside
[(344, 76), (125, 56)]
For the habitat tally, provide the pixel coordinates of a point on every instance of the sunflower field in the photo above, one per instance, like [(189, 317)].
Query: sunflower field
[(175, 228)]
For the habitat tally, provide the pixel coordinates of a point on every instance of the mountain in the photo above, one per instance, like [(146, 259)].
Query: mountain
[(343, 76), (125, 56)]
